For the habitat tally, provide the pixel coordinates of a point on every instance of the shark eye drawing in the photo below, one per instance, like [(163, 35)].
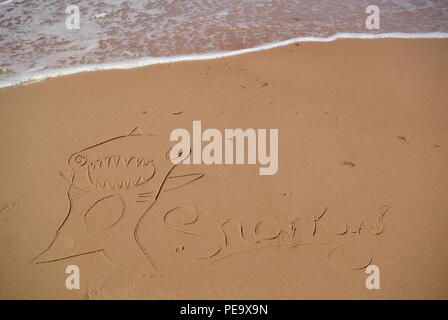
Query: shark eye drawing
[(112, 186)]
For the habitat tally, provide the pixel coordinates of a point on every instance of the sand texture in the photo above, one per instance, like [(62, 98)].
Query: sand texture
[(362, 178)]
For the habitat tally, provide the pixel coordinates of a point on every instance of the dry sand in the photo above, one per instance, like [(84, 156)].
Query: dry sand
[(363, 136)]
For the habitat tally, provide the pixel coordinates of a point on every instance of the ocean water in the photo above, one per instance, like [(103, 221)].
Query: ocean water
[(35, 43)]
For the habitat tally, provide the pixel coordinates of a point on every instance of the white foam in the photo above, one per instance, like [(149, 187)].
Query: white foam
[(34, 77), (5, 2), (100, 15)]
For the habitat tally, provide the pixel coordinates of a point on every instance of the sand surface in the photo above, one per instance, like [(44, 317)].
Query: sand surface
[(362, 179)]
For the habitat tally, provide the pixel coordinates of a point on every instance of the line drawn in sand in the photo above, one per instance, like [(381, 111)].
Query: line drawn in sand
[(6, 211), (112, 187), (230, 238), (114, 184)]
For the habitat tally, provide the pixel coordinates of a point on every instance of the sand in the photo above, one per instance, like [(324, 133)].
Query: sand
[(362, 178)]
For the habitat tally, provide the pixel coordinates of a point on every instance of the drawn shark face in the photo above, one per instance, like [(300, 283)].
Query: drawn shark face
[(112, 185), (116, 172), (115, 175), (120, 164)]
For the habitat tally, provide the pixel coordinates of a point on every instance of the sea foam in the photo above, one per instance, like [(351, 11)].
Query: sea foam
[(33, 77)]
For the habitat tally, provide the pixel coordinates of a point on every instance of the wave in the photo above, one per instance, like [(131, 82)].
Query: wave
[(33, 77)]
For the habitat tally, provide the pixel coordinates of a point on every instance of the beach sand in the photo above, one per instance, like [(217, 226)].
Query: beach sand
[(363, 137)]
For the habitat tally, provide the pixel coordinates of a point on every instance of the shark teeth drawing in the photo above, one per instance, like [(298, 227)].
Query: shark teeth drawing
[(118, 172)]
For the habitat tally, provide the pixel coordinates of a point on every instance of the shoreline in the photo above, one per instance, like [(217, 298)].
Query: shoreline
[(32, 78)]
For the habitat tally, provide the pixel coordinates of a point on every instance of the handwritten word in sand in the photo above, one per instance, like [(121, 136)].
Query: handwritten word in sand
[(347, 246), (220, 147), (114, 184)]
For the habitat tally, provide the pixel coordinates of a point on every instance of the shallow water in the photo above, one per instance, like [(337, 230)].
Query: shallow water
[(34, 40)]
